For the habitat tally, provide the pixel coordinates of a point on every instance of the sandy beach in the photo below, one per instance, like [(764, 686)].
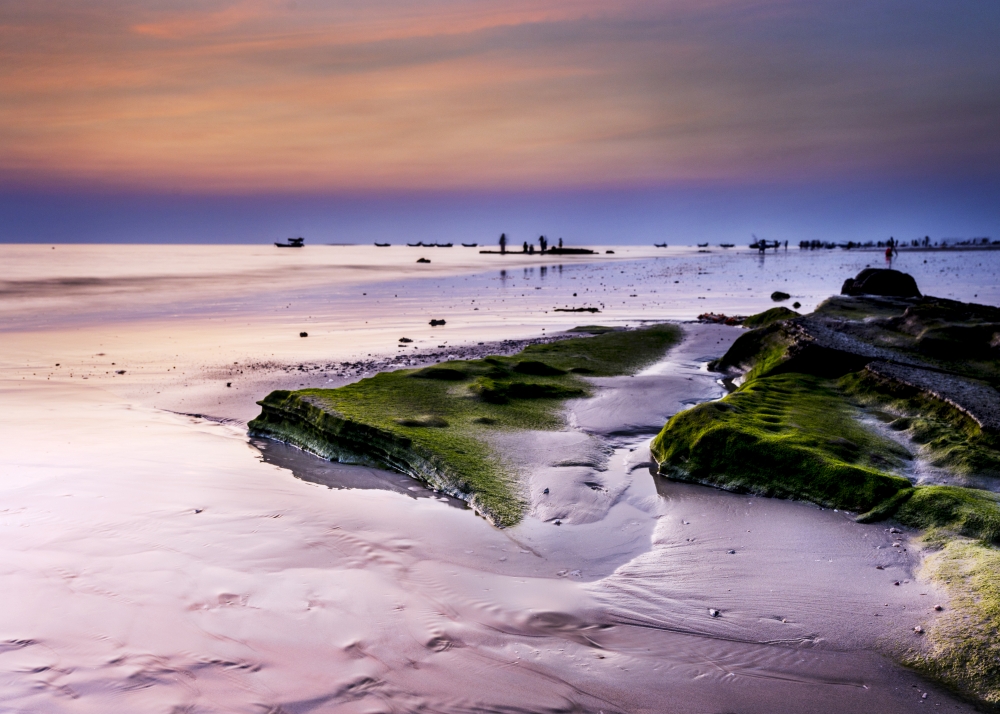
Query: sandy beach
[(159, 560)]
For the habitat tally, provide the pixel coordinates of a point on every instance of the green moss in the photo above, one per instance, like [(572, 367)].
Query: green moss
[(607, 354), (789, 435), (951, 510), (756, 353), (860, 308), (434, 423), (775, 314), (964, 642), (946, 437)]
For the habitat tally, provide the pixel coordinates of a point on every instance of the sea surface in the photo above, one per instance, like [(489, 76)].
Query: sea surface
[(155, 559)]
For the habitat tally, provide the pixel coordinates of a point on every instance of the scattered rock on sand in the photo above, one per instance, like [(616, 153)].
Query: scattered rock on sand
[(303, 334), (713, 612), (422, 260), (778, 296), (435, 323), (405, 339)]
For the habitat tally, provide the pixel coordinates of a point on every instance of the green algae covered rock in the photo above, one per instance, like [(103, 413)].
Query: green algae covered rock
[(818, 397), (433, 424), (790, 436)]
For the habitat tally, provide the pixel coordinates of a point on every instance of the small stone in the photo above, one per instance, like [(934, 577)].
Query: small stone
[(558, 522), (229, 384), (896, 583), (879, 567), (546, 492), (938, 608), (919, 630), (731, 552), (895, 530), (713, 613), (303, 334), (924, 695), (405, 339)]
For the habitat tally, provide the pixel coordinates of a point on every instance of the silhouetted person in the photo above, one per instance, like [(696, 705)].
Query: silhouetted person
[(560, 244), (541, 243), (503, 242), (525, 246)]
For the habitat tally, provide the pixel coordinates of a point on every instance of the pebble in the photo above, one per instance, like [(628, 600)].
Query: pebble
[(896, 583), (546, 492), (938, 608), (303, 334), (713, 613), (731, 552), (919, 630), (559, 523)]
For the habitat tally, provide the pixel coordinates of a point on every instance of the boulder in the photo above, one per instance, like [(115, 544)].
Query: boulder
[(778, 296), (881, 281)]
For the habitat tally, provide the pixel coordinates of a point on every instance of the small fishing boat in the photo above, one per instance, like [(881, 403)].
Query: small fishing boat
[(469, 245), (418, 244), (442, 245), (727, 245), (703, 245), (292, 243), (382, 245), (659, 245)]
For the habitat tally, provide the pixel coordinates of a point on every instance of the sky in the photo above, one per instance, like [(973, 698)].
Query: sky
[(239, 121)]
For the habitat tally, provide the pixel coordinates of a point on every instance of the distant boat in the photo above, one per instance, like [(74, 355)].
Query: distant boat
[(703, 245), (659, 245), (418, 244), (382, 245), (292, 243), (469, 245), (727, 245), (442, 245)]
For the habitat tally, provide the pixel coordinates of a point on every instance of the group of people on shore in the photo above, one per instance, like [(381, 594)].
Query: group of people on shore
[(543, 244)]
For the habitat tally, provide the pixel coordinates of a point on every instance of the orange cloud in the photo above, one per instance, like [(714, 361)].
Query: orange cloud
[(312, 95)]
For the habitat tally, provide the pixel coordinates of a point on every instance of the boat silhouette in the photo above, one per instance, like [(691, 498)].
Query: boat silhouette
[(659, 245), (469, 245), (292, 243), (382, 245), (703, 245)]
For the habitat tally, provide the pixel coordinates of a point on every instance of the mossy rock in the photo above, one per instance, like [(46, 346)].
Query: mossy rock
[(789, 436), (768, 317), (953, 510), (537, 368), (963, 649), (430, 425)]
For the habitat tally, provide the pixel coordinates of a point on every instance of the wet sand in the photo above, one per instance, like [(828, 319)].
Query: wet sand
[(156, 561)]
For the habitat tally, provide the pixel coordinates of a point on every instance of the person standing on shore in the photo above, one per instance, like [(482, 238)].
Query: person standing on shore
[(503, 243)]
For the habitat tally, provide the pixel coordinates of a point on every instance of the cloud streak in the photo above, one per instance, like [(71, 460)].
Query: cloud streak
[(317, 96)]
